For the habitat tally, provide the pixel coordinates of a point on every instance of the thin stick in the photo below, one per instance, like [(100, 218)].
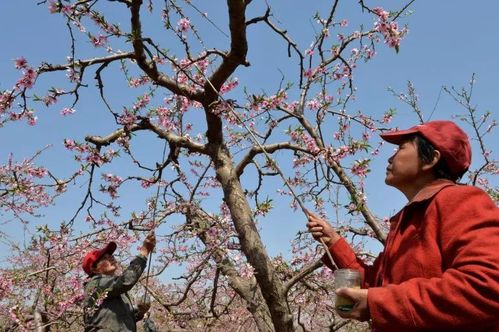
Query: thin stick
[(153, 227)]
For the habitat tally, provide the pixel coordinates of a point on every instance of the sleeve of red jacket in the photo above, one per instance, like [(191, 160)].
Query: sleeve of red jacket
[(345, 258), (467, 293)]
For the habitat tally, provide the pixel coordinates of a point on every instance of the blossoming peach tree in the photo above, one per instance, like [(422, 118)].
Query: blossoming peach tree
[(188, 138)]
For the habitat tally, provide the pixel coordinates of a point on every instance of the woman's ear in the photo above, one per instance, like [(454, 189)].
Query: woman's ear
[(434, 161)]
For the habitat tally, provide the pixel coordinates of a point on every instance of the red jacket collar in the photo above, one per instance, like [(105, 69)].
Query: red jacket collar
[(431, 190), (425, 194)]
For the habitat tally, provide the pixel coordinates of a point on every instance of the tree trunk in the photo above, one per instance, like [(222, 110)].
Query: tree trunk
[(246, 288), (40, 321), (270, 285)]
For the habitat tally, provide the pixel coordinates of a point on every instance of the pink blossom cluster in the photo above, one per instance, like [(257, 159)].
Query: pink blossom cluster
[(75, 15), (165, 118), (360, 168), (97, 158), (246, 271), (113, 182), (184, 24), (197, 78), (180, 104), (146, 183), (338, 153), (27, 114), (6, 100), (324, 99), (211, 182), (123, 141), (159, 59), (342, 71), (71, 145), (368, 52), (298, 179), (325, 30), (313, 104), (56, 6), (492, 168), (51, 97), (67, 111), (269, 103), (387, 117), (319, 203), (53, 6), (5, 284), (310, 143), (202, 63), (60, 295), (389, 30), (142, 102), (21, 63), (302, 160), (71, 73), (230, 85), (93, 156), (127, 118), (312, 73), (217, 237), (28, 74), (227, 111), (136, 82), (16, 316), (21, 193), (306, 258), (221, 107), (98, 41)]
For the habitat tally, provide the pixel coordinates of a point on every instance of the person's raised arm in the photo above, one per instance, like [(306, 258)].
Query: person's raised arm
[(148, 244), (124, 282)]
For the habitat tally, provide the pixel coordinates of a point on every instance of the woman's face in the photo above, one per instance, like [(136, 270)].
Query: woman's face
[(106, 265), (404, 166)]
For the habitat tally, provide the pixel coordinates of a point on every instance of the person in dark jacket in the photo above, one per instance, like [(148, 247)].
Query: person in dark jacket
[(439, 270), (149, 325), (107, 306)]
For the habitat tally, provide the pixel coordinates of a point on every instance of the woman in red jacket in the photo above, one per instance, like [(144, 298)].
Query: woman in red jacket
[(439, 270)]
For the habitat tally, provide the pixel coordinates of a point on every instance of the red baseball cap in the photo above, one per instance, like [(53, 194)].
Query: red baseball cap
[(93, 257), (450, 140)]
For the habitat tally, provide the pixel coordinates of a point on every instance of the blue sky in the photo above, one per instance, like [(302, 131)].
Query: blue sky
[(448, 41)]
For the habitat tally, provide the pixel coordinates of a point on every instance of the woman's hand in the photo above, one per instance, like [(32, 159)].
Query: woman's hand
[(148, 245), (321, 229), (360, 310)]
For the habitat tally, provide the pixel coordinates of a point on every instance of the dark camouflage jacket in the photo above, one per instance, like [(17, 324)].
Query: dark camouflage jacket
[(107, 306)]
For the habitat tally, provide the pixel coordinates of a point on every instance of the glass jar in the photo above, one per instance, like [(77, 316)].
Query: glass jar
[(345, 278)]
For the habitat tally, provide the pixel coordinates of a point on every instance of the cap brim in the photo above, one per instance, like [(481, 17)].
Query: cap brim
[(109, 248), (399, 136)]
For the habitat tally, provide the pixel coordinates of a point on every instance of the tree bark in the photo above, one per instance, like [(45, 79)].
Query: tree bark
[(252, 246), (246, 288)]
